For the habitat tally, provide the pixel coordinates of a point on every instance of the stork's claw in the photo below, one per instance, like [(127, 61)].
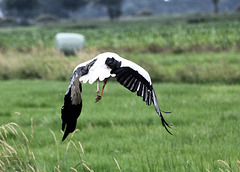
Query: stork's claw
[(98, 98)]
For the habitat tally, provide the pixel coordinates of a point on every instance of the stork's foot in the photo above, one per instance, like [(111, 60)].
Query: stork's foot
[(98, 98), (98, 91)]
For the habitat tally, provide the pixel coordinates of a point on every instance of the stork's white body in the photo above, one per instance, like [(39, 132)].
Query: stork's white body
[(101, 71)]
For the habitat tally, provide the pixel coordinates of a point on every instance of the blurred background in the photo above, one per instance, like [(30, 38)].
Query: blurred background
[(153, 27), (190, 49), (33, 9)]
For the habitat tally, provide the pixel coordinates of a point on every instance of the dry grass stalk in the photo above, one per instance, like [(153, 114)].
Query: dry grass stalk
[(117, 164), (54, 136), (1, 166), (55, 139), (33, 157), (25, 137), (238, 165), (9, 158), (6, 158), (89, 169), (74, 144), (13, 123), (31, 129), (81, 146), (62, 132), (19, 114), (1, 163), (2, 136), (220, 169), (223, 162), (31, 167), (74, 132), (68, 146), (10, 149), (12, 129), (57, 168), (73, 169), (4, 130)]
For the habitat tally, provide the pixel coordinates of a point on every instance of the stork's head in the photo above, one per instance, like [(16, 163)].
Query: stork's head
[(112, 63)]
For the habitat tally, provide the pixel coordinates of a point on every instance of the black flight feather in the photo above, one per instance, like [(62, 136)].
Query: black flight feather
[(133, 81)]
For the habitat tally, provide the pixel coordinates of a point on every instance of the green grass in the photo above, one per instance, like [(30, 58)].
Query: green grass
[(134, 35), (204, 118), (171, 50), (205, 67)]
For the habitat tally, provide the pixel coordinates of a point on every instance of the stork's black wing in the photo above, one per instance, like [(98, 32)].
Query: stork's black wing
[(135, 82), (73, 101)]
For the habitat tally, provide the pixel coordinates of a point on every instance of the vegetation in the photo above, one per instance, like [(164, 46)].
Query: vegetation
[(204, 119), (120, 133), (181, 51), (209, 33), (188, 67)]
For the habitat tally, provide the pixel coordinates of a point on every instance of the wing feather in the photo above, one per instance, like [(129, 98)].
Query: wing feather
[(134, 85), (136, 81)]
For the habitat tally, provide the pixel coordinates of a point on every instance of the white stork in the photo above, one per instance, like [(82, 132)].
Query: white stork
[(100, 68)]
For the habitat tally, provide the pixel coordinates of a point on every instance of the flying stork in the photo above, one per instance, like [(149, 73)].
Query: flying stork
[(100, 68)]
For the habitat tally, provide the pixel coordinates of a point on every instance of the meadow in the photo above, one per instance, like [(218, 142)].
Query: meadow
[(204, 119), (195, 69)]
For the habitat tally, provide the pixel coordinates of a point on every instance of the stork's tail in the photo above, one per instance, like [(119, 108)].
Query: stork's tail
[(69, 129), (70, 113)]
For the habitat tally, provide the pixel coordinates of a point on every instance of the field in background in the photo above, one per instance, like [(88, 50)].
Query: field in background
[(205, 121), (121, 128), (194, 50), (205, 67)]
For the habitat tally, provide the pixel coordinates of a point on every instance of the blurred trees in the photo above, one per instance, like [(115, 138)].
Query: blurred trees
[(20, 8), (238, 8), (53, 7), (215, 3), (73, 5), (114, 7)]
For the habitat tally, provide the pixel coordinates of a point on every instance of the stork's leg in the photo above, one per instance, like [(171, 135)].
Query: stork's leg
[(99, 97), (98, 91)]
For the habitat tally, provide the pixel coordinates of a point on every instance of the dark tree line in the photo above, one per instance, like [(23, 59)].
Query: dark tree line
[(113, 8), (60, 8)]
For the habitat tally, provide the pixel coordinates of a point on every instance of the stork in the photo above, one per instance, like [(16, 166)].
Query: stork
[(100, 68)]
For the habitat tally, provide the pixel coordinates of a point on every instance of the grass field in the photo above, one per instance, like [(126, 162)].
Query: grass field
[(194, 63), (204, 118), (205, 67), (151, 34), (171, 50)]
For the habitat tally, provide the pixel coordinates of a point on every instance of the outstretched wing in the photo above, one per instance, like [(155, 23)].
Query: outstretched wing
[(136, 79), (72, 100)]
